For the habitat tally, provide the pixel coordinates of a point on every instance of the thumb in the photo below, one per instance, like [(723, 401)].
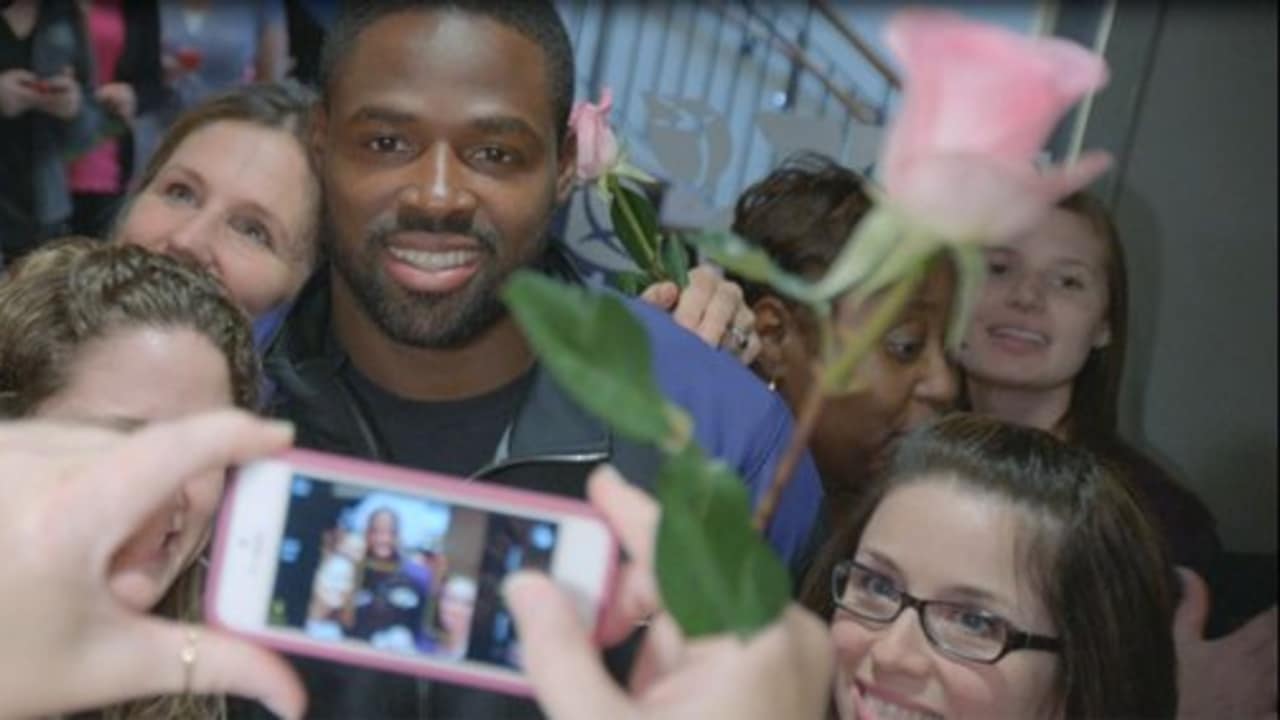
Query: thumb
[(566, 671), (662, 295), (220, 664), (1087, 168), (1193, 611)]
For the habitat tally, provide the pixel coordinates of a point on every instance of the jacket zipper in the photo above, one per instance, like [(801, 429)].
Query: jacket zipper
[(565, 458)]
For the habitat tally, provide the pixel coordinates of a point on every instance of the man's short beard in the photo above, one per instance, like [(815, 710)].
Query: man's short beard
[(424, 320), (421, 320)]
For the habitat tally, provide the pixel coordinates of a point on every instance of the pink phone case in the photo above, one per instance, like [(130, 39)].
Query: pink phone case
[(414, 482)]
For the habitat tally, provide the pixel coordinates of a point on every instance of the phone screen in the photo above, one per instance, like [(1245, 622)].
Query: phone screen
[(402, 574)]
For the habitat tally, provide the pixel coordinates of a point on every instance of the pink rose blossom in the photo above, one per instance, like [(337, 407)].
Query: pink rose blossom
[(978, 104), (597, 147)]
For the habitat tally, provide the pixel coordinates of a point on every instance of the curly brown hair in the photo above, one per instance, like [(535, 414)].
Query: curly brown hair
[(801, 214), (76, 290)]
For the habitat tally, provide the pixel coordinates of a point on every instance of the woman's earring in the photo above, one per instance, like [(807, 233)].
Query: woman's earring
[(773, 384)]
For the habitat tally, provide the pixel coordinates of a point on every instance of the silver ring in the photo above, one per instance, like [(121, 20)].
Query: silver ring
[(740, 337)]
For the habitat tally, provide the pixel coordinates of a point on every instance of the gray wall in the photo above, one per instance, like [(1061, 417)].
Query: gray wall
[(708, 101), (1191, 115)]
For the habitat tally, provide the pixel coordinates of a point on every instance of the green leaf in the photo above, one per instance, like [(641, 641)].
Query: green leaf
[(598, 352), (753, 263), (675, 259), (715, 572), (636, 225), (971, 272), (629, 283)]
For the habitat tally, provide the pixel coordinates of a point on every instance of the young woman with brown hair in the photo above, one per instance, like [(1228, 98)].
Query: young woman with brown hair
[(115, 335), (1046, 349), (1035, 586)]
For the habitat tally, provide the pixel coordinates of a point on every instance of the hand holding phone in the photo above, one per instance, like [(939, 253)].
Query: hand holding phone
[(394, 569), (189, 59), (179, 62), (69, 642), (783, 671), (18, 91), (119, 99), (59, 95)]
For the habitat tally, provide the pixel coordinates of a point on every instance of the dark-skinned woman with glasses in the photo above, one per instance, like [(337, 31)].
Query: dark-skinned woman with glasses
[(994, 572)]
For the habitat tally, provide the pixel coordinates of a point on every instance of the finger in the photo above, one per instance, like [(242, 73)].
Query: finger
[(703, 664), (719, 315), (1086, 168), (1254, 643), (744, 317), (1193, 611), (144, 471), (793, 657), (635, 602), (662, 651), (744, 320), (1258, 633), (567, 674), (634, 517), (805, 644), (752, 350), (220, 664), (661, 295), (56, 439), (631, 512), (694, 299), (808, 639)]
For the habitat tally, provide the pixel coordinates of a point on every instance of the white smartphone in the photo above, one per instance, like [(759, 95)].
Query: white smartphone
[(394, 569)]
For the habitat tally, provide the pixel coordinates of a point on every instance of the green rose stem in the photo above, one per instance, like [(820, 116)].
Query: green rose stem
[(834, 380), (648, 260)]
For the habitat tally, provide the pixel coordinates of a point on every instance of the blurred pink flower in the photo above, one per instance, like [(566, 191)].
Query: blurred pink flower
[(978, 104), (597, 146)]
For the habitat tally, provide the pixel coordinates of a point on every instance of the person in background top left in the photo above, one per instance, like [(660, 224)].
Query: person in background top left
[(45, 116), (125, 40), (207, 48)]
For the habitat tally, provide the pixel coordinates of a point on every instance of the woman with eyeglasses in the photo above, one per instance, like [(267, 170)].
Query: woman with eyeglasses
[(993, 571)]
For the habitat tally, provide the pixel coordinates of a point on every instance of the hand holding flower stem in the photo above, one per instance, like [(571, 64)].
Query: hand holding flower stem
[(602, 161)]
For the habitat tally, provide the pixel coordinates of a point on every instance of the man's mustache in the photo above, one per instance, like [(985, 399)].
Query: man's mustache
[(382, 231)]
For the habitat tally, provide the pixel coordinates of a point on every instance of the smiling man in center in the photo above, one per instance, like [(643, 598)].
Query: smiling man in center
[(443, 149)]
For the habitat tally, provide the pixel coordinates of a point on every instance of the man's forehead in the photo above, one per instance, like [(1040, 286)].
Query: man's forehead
[(443, 51)]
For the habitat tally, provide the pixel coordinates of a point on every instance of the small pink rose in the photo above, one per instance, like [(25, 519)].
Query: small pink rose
[(597, 146), (978, 104)]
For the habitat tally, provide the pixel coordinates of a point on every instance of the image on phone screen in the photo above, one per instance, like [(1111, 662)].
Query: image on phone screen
[(401, 573)]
